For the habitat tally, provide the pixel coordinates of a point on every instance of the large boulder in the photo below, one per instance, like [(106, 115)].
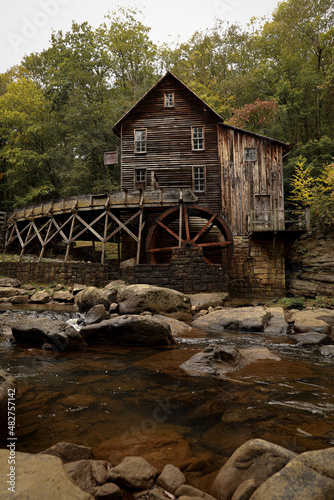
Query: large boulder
[(249, 466), (135, 299), (317, 320), (248, 319), (90, 297), (309, 476), (37, 477), (38, 331), (9, 291), (7, 388), (312, 338), (130, 330), (216, 361), (12, 282), (41, 297)]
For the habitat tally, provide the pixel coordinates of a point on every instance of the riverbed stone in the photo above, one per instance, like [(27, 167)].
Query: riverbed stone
[(309, 476), (7, 383), (247, 319), (40, 297), (312, 338), (170, 478), (37, 331), (277, 322), (190, 491), (63, 296), (68, 452), (20, 299), (38, 477), (130, 330), (96, 314), (133, 472), (10, 282), (90, 297), (108, 491), (135, 299), (177, 327), (10, 291), (87, 474), (327, 350), (201, 301), (216, 360), (315, 319), (256, 461)]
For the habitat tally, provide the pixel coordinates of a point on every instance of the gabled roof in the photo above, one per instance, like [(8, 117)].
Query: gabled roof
[(116, 127)]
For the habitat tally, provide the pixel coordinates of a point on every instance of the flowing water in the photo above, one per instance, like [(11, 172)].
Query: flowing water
[(106, 392)]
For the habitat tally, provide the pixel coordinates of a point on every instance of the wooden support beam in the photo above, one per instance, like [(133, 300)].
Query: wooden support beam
[(45, 240), (25, 243), (89, 226), (69, 241), (104, 238), (123, 226), (139, 236)]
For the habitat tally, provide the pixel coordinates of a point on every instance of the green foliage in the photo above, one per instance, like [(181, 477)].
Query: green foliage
[(293, 303), (302, 193)]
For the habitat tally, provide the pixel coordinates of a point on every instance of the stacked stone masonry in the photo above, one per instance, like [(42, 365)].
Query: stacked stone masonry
[(257, 271)]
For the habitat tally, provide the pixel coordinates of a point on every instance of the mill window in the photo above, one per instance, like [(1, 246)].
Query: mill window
[(140, 178), (197, 138), (199, 179), (140, 140), (250, 154), (169, 99)]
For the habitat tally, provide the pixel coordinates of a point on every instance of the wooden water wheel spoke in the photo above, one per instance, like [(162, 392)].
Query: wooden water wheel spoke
[(197, 227), (186, 223), (169, 230), (204, 228)]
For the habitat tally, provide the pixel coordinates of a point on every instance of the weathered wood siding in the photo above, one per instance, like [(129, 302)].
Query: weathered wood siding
[(249, 185), (169, 143)]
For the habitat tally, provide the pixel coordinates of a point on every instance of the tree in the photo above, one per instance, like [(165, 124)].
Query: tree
[(256, 117)]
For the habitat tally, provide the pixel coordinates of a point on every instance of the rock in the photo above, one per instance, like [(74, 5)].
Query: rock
[(171, 478), (37, 331), (248, 319), (256, 461), (9, 291), (62, 296), (316, 320), (111, 290), (7, 387), (309, 476), (277, 322), (77, 288), (108, 491), (327, 350), (190, 491), (20, 299), (216, 360), (87, 474), (96, 314), (68, 452), (90, 297), (37, 477), (113, 309), (201, 301), (312, 338), (41, 297), (135, 299), (177, 327), (130, 330), (10, 282), (134, 473)]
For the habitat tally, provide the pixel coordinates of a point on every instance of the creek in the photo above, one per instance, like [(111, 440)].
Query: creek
[(102, 392)]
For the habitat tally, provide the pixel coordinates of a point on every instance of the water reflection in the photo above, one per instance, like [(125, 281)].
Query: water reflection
[(135, 394)]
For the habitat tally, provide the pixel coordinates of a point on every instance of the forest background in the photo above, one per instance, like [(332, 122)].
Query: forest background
[(274, 77)]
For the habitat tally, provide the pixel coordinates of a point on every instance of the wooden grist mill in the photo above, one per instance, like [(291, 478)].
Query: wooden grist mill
[(188, 181)]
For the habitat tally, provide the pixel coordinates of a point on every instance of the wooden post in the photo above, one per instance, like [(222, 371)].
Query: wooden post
[(69, 240), (104, 237), (27, 238), (308, 218), (139, 236), (180, 223), (45, 242)]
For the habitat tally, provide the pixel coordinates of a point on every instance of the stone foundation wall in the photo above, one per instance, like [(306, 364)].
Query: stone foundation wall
[(186, 272), (257, 271), (67, 273)]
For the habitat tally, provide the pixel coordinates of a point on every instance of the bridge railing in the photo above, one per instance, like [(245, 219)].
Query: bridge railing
[(278, 220)]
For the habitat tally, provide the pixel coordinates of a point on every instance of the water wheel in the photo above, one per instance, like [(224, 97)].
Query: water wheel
[(190, 226)]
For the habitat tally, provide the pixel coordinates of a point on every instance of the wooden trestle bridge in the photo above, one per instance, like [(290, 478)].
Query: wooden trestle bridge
[(153, 222)]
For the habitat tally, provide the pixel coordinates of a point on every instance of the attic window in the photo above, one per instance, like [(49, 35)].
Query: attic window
[(140, 140), (169, 99), (197, 134), (250, 154)]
